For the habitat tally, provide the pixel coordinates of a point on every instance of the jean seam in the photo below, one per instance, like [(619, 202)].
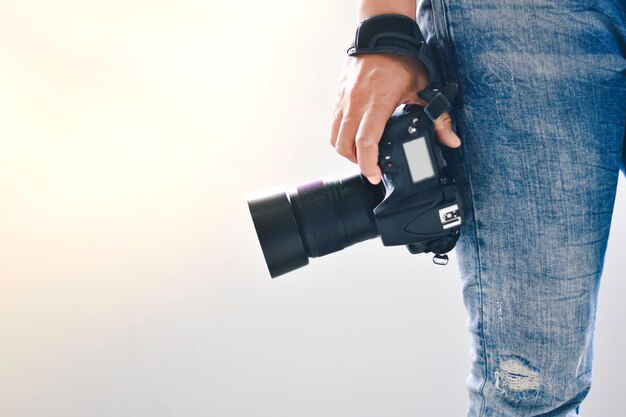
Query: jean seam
[(453, 57), (480, 291)]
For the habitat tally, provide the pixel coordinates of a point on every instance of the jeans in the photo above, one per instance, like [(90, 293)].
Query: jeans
[(541, 115)]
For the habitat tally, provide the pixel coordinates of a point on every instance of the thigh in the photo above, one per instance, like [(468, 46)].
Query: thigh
[(543, 89)]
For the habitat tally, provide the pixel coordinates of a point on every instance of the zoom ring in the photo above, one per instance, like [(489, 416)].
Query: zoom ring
[(320, 215)]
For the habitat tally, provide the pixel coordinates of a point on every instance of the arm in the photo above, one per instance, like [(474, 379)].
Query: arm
[(370, 88)]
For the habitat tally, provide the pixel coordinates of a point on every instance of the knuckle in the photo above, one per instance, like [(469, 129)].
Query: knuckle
[(365, 142), (347, 119), (344, 152), (339, 148)]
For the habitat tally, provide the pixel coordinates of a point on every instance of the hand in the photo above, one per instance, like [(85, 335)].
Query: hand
[(370, 89)]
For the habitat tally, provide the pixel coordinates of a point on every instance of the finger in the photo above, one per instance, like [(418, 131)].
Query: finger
[(370, 131), (347, 132), (334, 128), (443, 129)]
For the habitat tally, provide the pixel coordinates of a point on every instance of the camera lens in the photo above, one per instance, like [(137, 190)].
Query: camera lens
[(313, 220)]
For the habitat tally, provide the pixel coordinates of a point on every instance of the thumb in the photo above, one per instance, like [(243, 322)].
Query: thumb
[(443, 129)]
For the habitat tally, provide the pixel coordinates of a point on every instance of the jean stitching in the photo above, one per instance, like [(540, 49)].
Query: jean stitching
[(481, 328), (481, 332)]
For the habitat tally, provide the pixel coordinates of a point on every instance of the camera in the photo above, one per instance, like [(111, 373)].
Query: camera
[(416, 204)]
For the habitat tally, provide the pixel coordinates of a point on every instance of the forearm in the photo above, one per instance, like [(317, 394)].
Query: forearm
[(367, 8)]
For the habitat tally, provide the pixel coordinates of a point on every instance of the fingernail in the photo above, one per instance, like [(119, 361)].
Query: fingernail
[(373, 180)]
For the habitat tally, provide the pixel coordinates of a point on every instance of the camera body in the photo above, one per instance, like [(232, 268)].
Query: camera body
[(421, 207), (416, 204)]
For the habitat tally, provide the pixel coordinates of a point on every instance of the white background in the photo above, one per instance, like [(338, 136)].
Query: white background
[(131, 279)]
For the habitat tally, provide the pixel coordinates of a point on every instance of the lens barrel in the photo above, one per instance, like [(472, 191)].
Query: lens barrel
[(313, 220)]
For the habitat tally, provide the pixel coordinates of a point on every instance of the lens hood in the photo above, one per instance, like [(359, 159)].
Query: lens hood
[(277, 231)]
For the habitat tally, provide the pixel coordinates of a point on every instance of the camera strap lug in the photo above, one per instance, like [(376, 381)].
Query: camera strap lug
[(440, 259), (439, 100)]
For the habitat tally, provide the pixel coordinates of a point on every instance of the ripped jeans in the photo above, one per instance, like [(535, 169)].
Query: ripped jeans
[(542, 117)]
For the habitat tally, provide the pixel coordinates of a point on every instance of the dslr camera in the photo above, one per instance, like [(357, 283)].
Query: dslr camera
[(416, 204)]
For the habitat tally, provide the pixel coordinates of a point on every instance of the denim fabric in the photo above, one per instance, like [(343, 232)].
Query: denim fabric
[(541, 116)]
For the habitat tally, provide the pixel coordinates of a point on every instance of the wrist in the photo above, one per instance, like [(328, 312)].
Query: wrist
[(388, 34), (369, 8)]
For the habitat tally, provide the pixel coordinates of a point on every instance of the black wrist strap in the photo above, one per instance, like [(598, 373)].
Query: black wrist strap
[(400, 35), (388, 33)]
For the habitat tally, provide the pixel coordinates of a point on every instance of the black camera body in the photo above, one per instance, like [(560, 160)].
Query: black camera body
[(416, 204), (421, 208)]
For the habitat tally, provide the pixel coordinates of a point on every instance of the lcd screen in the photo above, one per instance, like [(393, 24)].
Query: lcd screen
[(417, 155)]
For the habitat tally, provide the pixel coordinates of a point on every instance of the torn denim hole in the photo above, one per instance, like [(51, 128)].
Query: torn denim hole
[(516, 375)]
